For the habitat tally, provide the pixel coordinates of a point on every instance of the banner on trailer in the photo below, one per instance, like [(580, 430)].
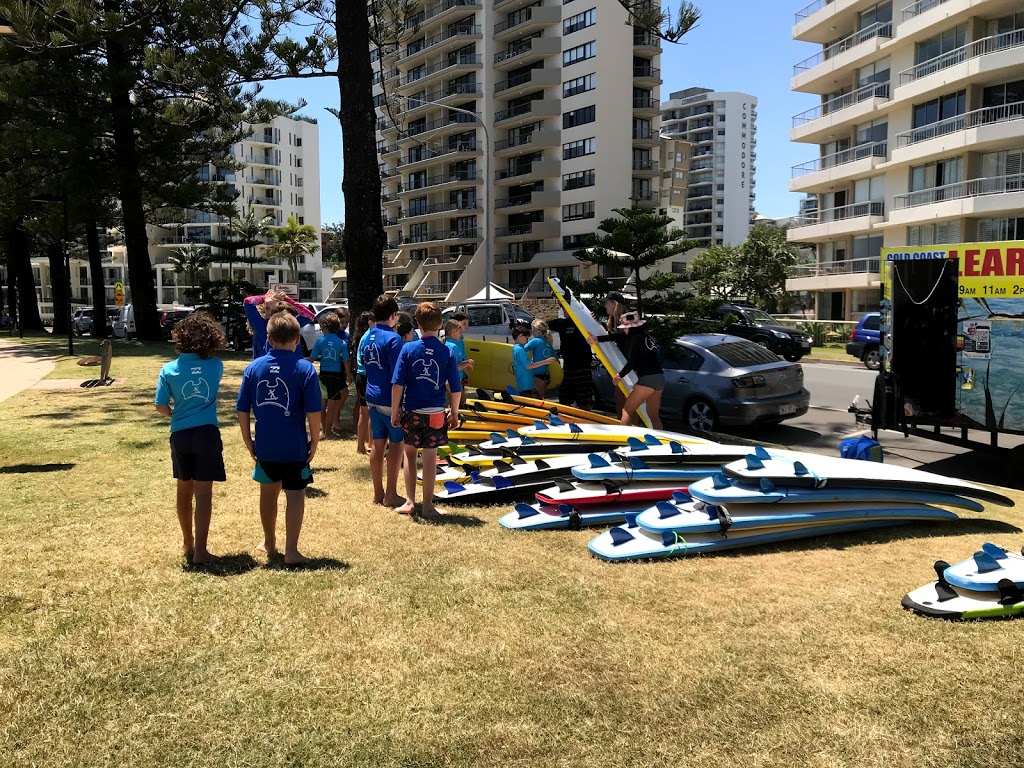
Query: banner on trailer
[(986, 269)]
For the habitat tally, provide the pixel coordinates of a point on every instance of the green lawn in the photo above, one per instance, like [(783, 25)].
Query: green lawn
[(450, 644)]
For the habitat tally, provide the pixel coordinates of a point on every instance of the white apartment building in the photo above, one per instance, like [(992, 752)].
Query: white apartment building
[(518, 125), (281, 178), (722, 128), (919, 133)]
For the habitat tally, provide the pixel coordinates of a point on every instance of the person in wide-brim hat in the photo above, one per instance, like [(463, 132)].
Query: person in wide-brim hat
[(642, 358), (631, 320)]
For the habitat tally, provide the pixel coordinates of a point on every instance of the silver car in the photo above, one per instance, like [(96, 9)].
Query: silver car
[(714, 380)]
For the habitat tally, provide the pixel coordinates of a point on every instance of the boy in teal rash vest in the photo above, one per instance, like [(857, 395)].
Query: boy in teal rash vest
[(522, 368)]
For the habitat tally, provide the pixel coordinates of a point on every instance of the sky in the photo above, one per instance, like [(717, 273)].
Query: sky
[(741, 46)]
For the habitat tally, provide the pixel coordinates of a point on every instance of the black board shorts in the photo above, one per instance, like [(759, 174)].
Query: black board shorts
[(292, 475), (197, 453), (334, 382), (361, 389)]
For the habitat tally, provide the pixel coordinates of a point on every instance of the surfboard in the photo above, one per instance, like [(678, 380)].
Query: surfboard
[(551, 406), (675, 452), (697, 517), (986, 568), (492, 366), (508, 419), (498, 406), (607, 352), (489, 490), (467, 434), (634, 543), (447, 473), (516, 468), (579, 493), (598, 467), (525, 445), (537, 517), (719, 489), (942, 600), (610, 433), (815, 471)]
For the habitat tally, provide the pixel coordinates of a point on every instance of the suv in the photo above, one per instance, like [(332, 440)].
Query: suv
[(490, 320), (81, 322), (864, 341), (763, 329)]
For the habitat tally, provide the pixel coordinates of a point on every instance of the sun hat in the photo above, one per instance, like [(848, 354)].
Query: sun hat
[(615, 296), (631, 320)]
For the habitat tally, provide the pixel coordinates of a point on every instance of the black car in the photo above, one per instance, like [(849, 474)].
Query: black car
[(763, 329), (170, 318)]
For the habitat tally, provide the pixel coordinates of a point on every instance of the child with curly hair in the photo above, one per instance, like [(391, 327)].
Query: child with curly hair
[(191, 383)]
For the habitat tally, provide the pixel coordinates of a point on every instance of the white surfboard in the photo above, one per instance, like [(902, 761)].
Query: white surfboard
[(606, 433), (986, 568), (675, 452)]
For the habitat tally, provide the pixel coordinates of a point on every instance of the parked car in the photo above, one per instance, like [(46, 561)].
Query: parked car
[(171, 317), (714, 380), (316, 307), (81, 321), (123, 326), (311, 331), (763, 329), (864, 341), (489, 320)]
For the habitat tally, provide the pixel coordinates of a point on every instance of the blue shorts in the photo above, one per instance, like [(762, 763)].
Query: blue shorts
[(381, 429)]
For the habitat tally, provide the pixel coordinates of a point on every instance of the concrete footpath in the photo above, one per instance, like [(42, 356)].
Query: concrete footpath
[(21, 366)]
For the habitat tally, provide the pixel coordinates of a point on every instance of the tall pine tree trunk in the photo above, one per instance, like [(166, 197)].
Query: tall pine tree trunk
[(126, 158), (59, 289), (364, 237), (99, 291), (28, 304)]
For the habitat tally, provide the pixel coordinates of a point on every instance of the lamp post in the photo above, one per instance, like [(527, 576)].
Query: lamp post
[(488, 187)]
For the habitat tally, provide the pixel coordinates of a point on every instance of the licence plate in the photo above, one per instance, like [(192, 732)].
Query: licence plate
[(805, 345), (786, 409)]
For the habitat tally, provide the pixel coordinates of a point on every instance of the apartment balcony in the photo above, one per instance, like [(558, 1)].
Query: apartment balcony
[(387, 222), (527, 172), (525, 81), (263, 181), (447, 261), (390, 149), (834, 275), (416, 134), (440, 12), (646, 168), (451, 236), (646, 138), (845, 165), (506, 259), (817, 123), (268, 202), (442, 180), (508, 6), (529, 112), (432, 210), (531, 20), (262, 137), (455, 36), (646, 105), (987, 61), (546, 198), (436, 99), (445, 68), (817, 73), (525, 52), (976, 197), (818, 21), (535, 230), (427, 155), (645, 42), (530, 142), (990, 128), (831, 223), (434, 290), (646, 200), (261, 160), (384, 76), (646, 76), (399, 264)]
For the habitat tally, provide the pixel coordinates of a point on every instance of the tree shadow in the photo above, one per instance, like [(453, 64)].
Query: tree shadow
[(226, 565), (26, 469), (315, 493)]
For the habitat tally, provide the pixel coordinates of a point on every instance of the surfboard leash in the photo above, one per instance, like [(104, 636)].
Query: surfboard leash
[(675, 545)]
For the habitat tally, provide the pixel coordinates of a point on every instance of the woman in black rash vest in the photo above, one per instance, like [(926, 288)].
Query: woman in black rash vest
[(642, 358)]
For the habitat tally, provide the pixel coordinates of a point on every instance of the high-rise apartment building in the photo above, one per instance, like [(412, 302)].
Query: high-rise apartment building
[(919, 130), (507, 130), (722, 129)]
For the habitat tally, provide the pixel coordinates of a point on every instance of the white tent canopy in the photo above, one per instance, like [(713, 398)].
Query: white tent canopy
[(497, 292)]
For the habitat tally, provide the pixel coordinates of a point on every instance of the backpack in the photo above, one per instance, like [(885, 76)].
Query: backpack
[(862, 448)]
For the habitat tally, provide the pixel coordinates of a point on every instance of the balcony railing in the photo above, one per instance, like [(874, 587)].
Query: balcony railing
[(516, 111), (265, 160), (515, 21), (435, 289), (992, 185), (447, 258), (871, 90), (439, 66), (444, 178), (842, 157), (879, 29), (647, 39), (986, 116), (430, 42), (514, 201), (429, 99), (644, 165), (264, 201), (853, 211), (828, 268), (441, 7), (464, 233), (644, 102), (643, 135), (920, 7), (807, 10), (519, 170), (426, 210), (415, 129), (514, 50), (427, 154), (985, 45), (515, 81), (515, 230), (522, 140), (646, 70)]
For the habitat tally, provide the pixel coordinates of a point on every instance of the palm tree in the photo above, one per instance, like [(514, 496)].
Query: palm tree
[(294, 242), (190, 261), (250, 228)]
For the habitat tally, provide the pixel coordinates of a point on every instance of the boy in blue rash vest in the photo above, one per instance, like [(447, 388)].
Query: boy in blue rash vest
[(380, 350), (191, 382), (283, 391), (258, 310), (426, 370), (453, 340), (361, 414), (521, 365), (332, 352)]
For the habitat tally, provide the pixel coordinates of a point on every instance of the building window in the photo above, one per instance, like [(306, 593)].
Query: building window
[(578, 148), (577, 180), (574, 242), (580, 116), (939, 233), (942, 108), (578, 85), (579, 53), (994, 230), (579, 21), (576, 211), (942, 43)]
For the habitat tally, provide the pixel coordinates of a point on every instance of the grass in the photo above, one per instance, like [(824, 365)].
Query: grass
[(454, 644)]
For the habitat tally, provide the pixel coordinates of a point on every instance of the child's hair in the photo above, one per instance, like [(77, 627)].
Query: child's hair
[(615, 316), (451, 326), (428, 316), (199, 333), (404, 317), (282, 328), (362, 326), (384, 307), (520, 330), (403, 329), (330, 322), (263, 306), (540, 329), (460, 316)]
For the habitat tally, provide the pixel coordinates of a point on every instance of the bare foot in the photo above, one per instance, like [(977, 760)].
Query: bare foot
[(295, 558), (429, 510), (269, 547), (361, 451), (203, 558), (394, 501), (406, 509)]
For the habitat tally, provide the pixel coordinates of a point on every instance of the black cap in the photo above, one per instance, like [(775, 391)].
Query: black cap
[(615, 296)]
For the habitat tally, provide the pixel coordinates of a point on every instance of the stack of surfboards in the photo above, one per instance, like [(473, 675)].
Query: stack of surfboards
[(990, 585), (486, 413), (772, 496)]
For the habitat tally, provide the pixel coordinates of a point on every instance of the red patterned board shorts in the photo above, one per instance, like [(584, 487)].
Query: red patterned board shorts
[(419, 433)]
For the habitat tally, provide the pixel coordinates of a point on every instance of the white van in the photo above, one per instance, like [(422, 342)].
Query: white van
[(123, 326)]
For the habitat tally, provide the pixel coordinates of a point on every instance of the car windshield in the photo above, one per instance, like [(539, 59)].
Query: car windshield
[(743, 354), (760, 316), (523, 316)]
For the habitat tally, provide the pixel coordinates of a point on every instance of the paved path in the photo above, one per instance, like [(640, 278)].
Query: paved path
[(21, 366)]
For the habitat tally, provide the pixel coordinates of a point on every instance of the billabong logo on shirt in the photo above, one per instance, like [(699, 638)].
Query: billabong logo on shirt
[(195, 388), (275, 393), (371, 356), (427, 370), (329, 352), (651, 345)]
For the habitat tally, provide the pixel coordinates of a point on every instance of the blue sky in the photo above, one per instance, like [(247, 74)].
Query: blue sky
[(739, 46)]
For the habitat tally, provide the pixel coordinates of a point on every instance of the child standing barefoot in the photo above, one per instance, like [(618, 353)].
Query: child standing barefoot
[(282, 390), (380, 349), (191, 382)]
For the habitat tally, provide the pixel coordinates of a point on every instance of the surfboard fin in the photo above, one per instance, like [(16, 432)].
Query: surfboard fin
[(651, 440), (498, 438), (525, 510), (554, 421), (631, 519), (620, 536), (564, 509), (511, 390), (597, 460), (636, 463), (539, 424), (800, 469), (986, 563), (516, 460), (575, 428), (636, 444), (528, 441), (996, 552), (502, 466), (676, 447), (767, 486), (681, 497), (483, 394), (666, 509), (762, 453), (575, 518), (611, 487), (453, 487), (501, 483), (511, 433), (564, 485), (753, 462), (1009, 593), (540, 464), (720, 481)]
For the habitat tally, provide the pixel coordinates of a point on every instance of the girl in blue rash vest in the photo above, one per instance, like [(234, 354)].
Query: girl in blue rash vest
[(539, 348), (521, 365), (361, 414), (258, 310)]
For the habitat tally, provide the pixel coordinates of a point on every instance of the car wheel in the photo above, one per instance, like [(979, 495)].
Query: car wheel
[(701, 416), (872, 359), (763, 341), (793, 358)]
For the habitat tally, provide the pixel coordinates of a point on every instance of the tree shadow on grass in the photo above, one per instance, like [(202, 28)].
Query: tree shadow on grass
[(315, 493), (226, 565), (27, 469), (276, 563)]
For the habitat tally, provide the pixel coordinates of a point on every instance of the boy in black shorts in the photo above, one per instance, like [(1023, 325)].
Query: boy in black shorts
[(283, 391), (418, 388)]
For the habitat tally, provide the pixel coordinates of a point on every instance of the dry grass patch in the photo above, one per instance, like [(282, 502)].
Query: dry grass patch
[(454, 644)]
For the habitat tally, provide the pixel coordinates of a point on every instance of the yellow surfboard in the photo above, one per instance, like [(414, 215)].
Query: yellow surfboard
[(492, 366), (564, 411)]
